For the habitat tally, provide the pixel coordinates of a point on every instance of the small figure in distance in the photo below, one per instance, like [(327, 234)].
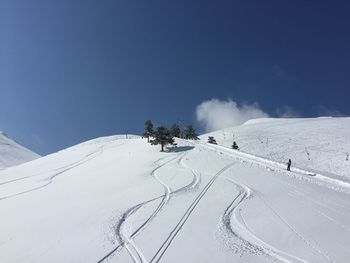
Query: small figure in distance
[(289, 164)]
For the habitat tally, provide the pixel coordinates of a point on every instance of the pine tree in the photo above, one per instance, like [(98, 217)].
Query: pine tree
[(190, 133), (148, 129), (235, 146), (163, 137), (175, 130), (211, 140)]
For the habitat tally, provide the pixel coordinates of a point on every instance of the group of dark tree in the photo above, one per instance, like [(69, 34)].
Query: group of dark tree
[(190, 133), (235, 146), (175, 130), (164, 136), (212, 140), (148, 130)]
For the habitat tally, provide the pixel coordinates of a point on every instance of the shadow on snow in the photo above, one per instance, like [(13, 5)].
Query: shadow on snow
[(180, 148)]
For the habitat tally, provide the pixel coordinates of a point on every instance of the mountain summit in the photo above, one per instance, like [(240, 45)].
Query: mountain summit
[(12, 153)]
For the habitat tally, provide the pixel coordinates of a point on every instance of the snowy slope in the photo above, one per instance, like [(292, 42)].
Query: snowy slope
[(12, 153), (318, 144), (121, 200)]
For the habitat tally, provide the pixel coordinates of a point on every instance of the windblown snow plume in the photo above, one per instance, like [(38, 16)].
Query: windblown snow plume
[(287, 112), (216, 114)]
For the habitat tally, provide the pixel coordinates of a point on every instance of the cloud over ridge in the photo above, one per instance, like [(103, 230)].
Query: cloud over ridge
[(215, 114)]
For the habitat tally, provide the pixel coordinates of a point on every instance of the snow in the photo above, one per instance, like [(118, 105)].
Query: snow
[(122, 200), (316, 144), (12, 153)]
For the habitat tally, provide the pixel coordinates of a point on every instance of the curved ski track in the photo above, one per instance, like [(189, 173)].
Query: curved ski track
[(254, 245), (125, 240), (49, 180), (60, 170), (161, 251), (232, 216)]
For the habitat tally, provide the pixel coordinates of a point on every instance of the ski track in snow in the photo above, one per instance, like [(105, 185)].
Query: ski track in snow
[(341, 209), (328, 217), (232, 215), (252, 245), (241, 238), (60, 170), (269, 251), (50, 179), (300, 174), (161, 251), (245, 240), (313, 247), (68, 167), (126, 239), (298, 193)]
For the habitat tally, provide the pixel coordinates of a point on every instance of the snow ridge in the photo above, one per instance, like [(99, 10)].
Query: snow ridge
[(12, 153)]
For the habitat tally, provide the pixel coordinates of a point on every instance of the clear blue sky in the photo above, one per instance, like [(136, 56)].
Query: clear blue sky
[(74, 70)]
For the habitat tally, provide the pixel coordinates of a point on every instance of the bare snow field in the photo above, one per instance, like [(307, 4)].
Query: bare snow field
[(121, 200), (12, 153)]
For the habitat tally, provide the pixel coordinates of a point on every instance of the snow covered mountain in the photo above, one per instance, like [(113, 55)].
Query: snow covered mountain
[(316, 144), (122, 200), (12, 153)]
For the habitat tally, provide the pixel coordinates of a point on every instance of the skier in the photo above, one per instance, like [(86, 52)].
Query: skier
[(289, 164)]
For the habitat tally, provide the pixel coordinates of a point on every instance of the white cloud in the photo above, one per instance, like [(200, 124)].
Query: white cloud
[(216, 114)]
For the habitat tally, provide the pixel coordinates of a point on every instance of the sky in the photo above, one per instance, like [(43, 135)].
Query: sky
[(76, 70)]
